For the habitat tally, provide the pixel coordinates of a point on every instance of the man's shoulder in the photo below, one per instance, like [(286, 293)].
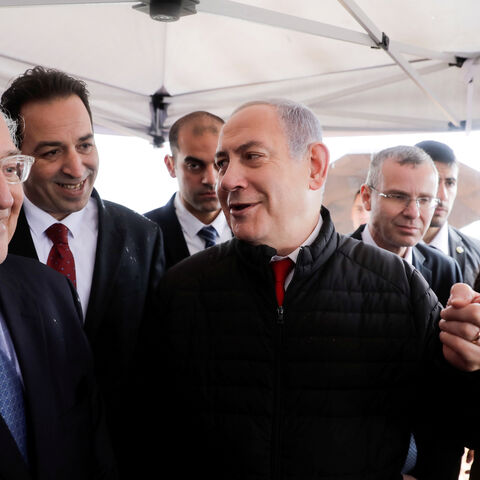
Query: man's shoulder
[(456, 235), (435, 255), (122, 215), (163, 214)]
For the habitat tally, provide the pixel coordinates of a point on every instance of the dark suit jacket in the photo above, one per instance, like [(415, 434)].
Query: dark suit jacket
[(466, 251), (175, 246), (66, 433), (129, 262), (439, 270)]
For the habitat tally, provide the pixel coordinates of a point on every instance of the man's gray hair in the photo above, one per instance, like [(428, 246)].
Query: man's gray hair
[(11, 125), (403, 155), (301, 125)]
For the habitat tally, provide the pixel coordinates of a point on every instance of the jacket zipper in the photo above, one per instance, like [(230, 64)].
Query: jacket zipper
[(276, 433)]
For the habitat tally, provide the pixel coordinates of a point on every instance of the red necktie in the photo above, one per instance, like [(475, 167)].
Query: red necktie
[(60, 257), (281, 269)]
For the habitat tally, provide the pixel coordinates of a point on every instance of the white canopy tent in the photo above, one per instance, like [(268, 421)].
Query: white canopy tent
[(364, 66)]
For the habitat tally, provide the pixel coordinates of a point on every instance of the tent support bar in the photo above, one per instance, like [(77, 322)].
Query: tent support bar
[(316, 102), (378, 36)]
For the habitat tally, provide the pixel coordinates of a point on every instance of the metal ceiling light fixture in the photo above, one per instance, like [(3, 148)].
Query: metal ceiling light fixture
[(167, 10)]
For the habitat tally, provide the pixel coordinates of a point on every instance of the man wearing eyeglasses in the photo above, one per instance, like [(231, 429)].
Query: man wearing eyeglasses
[(51, 420), (112, 255), (400, 194)]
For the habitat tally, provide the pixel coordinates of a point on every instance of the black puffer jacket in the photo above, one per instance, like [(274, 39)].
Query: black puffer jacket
[(330, 390)]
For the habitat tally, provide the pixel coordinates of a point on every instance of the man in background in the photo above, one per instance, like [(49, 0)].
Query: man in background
[(52, 423), (400, 195), (446, 238), (192, 220), (112, 255)]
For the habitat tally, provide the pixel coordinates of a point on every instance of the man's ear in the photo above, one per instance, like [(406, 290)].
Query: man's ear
[(319, 158), (366, 195), (170, 164)]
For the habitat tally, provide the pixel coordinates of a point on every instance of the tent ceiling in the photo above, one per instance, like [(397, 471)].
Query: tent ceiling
[(319, 53)]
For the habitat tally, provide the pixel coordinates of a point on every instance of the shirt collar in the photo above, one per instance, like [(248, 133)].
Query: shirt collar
[(368, 239), (440, 240), (39, 220), (310, 239)]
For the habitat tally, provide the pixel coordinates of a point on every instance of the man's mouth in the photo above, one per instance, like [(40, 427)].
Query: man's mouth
[(238, 207), (72, 186)]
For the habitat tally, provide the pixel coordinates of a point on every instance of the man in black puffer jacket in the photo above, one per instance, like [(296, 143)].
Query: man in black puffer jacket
[(324, 384)]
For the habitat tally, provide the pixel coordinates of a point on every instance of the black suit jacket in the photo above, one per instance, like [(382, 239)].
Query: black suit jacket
[(129, 262), (466, 251), (175, 246), (439, 270), (66, 432)]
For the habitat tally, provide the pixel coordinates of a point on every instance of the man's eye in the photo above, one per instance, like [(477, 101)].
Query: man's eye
[(252, 155), (193, 166), (398, 196), (450, 183), (85, 147), (50, 153), (220, 164), (424, 200)]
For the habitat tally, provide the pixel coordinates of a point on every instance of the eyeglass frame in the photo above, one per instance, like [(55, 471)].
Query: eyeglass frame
[(433, 201), (27, 162)]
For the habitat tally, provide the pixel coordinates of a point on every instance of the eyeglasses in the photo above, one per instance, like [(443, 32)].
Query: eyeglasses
[(403, 201), (16, 168)]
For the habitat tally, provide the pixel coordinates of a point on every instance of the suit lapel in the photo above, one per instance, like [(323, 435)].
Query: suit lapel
[(111, 239), (27, 333), (175, 246), (456, 248), (419, 262)]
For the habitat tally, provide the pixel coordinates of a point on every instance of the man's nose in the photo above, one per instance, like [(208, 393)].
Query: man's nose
[(412, 209), (73, 164), (210, 175)]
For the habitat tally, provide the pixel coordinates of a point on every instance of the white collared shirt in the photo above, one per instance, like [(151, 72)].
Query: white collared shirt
[(440, 240), (191, 226), (82, 240), (368, 239), (294, 255)]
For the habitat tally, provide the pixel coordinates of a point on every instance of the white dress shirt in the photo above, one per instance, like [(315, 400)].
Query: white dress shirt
[(82, 240), (440, 240), (368, 239), (191, 226), (294, 255)]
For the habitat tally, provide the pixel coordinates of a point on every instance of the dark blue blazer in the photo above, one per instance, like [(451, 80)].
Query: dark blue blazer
[(66, 431), (439, 270), (175, 246)]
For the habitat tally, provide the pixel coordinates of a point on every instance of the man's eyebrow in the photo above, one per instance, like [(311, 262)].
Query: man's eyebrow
[(191, 158), (241, 148), (54, 143), (9, 153)]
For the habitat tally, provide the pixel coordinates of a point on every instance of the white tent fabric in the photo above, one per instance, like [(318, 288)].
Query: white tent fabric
[(231, 52)]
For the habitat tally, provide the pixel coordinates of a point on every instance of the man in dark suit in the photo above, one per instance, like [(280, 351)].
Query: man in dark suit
[(194, 210), (46, 367), (400, 194), (451, 241), (117, 254)]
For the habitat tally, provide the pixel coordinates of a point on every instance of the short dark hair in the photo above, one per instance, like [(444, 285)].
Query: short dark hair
[(190, 118), (438, 151), (41, 84)]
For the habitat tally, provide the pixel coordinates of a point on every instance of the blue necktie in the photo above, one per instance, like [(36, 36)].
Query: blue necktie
[(11, 403), (411, 459), (209, 234)]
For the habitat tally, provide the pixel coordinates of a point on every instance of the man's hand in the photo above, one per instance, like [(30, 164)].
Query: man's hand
[(460, 327)]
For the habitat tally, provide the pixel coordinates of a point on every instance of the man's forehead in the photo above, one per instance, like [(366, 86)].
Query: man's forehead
[(446, 170), (396, 174), (7, 146), (258, 120)]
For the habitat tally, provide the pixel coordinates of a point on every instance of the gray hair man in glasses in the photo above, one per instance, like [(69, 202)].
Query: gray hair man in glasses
[(400, 194), (51, 420)]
